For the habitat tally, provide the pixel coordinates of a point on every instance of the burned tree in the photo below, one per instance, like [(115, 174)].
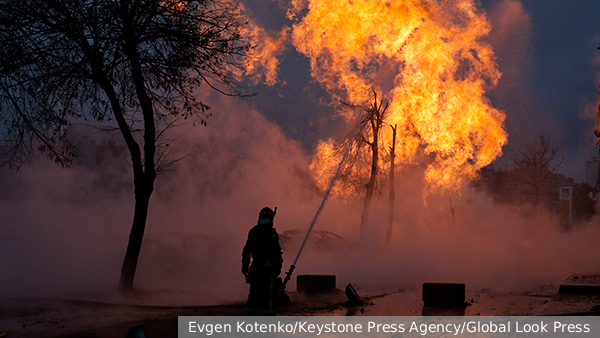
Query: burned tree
[(392, 196), (138, 63), (452, 211), (368, 132), (535, 164), (363, 147)]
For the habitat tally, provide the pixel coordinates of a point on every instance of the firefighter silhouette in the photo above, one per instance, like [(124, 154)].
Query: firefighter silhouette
[(263, 274)]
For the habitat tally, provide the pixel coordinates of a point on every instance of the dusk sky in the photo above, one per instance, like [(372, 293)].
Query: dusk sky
[(545, 51)]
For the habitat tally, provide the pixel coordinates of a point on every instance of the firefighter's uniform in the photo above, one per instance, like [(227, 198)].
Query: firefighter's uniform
[(263, 275)]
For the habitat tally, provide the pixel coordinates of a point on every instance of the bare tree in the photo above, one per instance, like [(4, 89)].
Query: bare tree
[(363, 144), (137, 62), (536, 163), (452, 211), (392, 190), (369, 129)]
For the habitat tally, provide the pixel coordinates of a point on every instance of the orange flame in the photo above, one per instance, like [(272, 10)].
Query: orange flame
[(263, 62), (428, 59)]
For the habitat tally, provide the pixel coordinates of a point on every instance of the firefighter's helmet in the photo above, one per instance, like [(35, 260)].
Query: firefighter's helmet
[(266, 213)]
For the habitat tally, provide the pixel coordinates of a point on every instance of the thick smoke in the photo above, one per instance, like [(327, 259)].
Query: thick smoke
[(59, 237)]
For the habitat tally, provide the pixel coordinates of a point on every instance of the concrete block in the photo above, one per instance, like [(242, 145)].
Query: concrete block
[(137, 332), (443, 294), (315, 284), (353, 297), (579, 289)]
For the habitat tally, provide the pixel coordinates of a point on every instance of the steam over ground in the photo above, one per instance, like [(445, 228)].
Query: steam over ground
[(65, 231), (61, 234)]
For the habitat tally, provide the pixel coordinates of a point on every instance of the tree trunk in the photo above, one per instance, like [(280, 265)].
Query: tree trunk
[(452, 211), (375, 118), (364, 218), (143, 183), (143, 191), (144, 174), (392, 197)]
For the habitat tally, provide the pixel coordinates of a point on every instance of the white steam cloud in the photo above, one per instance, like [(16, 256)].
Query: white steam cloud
[(59, 237)]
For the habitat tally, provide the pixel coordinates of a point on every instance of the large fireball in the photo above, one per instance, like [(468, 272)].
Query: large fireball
[(428, 59)]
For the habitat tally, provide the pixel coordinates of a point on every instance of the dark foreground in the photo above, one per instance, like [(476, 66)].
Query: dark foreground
[(69, 318)]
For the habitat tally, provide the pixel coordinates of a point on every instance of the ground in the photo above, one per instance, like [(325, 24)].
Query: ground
[(108, 314)]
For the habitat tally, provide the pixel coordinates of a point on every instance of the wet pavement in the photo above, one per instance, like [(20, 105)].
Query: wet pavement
[(107, 314)]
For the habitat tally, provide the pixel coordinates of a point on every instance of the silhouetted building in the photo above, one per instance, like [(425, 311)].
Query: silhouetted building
[(501, 186), (591, 171)]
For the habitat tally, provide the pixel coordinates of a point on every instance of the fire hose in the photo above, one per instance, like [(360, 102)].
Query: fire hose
[(288, 274)]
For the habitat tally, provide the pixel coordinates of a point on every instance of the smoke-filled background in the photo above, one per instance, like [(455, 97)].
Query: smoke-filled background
[(64, 231)]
